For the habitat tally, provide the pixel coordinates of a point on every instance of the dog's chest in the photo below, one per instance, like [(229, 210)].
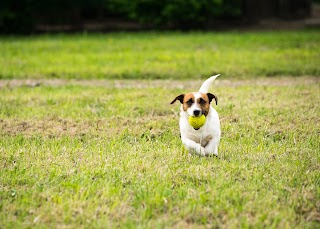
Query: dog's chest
[(202, 139)]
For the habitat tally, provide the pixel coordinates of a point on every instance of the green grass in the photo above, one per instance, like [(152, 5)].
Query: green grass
[(161, 55), (107, 153), (77, 156)]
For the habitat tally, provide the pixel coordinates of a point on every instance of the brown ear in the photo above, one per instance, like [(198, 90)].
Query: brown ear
[(211, 97), (179, 97)]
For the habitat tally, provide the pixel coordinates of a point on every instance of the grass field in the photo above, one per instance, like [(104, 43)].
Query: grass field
[(102, 153), (161, 55)]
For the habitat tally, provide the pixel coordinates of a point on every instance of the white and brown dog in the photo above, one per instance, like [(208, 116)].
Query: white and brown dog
[(205, 140)]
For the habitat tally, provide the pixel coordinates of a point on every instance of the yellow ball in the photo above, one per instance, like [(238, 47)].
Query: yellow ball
[(197, 121)]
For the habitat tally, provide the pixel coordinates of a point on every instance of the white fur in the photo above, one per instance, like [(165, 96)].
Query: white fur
[(206, 84), (205, 140)]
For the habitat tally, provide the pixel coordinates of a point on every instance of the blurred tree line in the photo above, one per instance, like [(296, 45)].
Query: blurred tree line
[(23, 16)]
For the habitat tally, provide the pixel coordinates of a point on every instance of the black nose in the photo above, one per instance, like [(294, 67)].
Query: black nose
[(196, 112)]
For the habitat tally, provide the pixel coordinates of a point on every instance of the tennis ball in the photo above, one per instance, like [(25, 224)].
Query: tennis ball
[(197, 121)]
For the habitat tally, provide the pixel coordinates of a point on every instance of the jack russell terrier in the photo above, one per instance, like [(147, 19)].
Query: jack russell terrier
[(205, 140)]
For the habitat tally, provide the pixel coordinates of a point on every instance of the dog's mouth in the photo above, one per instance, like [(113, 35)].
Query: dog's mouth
[(198, 113), (196, 121)]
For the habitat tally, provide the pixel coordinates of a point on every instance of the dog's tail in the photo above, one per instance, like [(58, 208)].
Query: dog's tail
[(206, 84)]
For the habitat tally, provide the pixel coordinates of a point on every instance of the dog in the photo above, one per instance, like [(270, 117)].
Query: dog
[(205, 140)]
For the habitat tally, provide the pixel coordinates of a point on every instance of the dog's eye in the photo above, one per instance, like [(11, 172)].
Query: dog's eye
[(202, 102), (189, 102)]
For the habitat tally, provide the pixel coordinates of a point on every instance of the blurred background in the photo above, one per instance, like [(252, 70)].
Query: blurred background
[(36, 16)]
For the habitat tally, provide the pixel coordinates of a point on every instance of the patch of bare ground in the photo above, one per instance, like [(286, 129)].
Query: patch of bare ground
[(170, 84), (49, 127), (57, 127)]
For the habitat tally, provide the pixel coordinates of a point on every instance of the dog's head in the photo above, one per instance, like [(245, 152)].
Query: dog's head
[(196, 103)]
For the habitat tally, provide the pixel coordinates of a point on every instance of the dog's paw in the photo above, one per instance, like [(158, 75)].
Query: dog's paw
[(198, 149), (209, 152)]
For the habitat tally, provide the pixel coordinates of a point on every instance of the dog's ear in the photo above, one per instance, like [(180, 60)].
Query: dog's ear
[(211, 97), (179, 97)]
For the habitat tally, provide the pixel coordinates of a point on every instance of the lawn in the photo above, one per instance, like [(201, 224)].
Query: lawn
[(161, 55), (106, 153)]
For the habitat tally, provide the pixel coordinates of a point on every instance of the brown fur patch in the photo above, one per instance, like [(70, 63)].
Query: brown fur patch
[(188, 100)]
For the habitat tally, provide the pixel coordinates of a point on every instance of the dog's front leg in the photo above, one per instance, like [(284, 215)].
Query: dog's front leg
[(212, 146), (192, 146)]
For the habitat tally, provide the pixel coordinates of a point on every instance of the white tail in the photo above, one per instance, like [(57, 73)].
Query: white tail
[(206, 84)]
